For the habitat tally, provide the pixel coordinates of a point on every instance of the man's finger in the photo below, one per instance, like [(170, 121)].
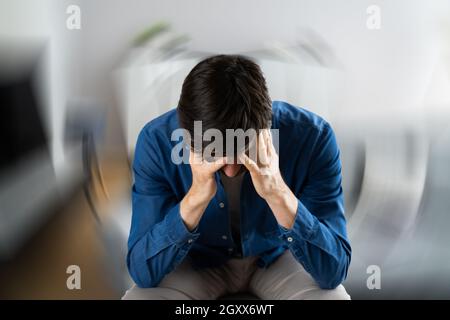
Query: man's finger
[(248, 163), (262, 149), (219, 163), (269, 144), (195, 158)]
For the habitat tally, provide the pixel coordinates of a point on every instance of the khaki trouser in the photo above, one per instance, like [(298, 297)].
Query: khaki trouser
[(284, 279)]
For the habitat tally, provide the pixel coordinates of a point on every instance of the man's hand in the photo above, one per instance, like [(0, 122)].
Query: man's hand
[(265, 171), (202, 190), (268, 183)]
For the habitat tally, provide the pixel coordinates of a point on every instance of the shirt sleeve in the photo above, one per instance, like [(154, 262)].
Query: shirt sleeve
[(159, 239), (318, 238)]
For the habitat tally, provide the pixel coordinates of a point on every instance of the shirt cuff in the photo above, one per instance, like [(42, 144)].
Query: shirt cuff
[(177, 231), (304, 226)]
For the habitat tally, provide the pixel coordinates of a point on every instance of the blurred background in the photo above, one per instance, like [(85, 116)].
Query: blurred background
[(72, 101)]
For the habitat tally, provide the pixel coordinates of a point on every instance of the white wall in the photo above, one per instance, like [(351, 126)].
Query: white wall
[(399, 56)]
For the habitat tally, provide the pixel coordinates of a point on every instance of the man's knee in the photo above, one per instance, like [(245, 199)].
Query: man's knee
[(136, 293), (339, 293)]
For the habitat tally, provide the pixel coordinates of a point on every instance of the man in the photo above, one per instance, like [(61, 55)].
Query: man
[(273, 226)]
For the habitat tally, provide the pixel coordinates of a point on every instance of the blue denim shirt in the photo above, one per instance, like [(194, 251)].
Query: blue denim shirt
[(310, 165)]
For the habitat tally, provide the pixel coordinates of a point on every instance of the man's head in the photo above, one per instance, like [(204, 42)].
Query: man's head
[(225, 92)]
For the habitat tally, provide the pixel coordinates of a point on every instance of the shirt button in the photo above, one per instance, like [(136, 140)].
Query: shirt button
[(289, 239), (190, 241), (222, 205), (224, 237)]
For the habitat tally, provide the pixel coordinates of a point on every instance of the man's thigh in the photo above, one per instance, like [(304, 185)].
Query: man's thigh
[(286, 279), (184, 283)]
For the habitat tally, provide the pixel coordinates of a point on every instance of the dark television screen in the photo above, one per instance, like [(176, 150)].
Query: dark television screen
[(21, 129)]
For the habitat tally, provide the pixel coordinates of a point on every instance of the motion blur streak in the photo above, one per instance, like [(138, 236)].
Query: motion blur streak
[(73, 101)]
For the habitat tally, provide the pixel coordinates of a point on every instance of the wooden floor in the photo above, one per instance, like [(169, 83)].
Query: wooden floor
[(71, 237)]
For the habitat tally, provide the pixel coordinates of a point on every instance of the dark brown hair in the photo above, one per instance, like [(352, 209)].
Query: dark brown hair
[(225, 92)]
